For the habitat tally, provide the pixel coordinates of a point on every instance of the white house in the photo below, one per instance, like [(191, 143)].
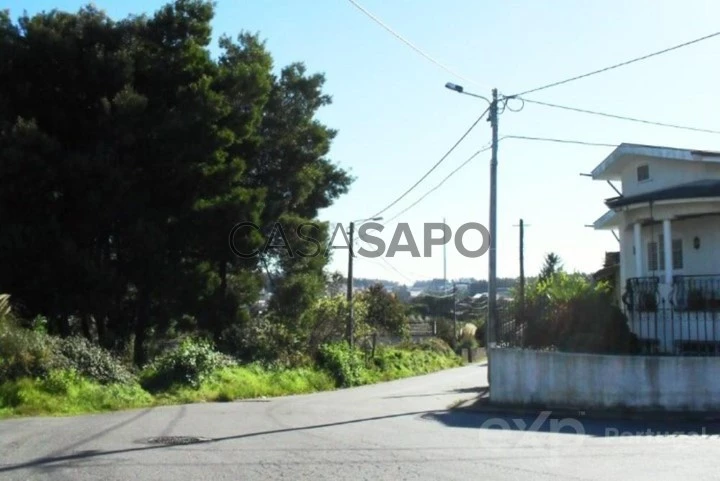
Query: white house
[(667, 219)]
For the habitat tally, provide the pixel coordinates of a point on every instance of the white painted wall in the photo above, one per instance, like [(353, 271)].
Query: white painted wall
[(702, 261), (586, 381), (665, 173)]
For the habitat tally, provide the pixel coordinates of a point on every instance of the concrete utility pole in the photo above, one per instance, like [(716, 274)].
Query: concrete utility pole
[(444, 263), (492, 266), (522, 269), (522, 265), (351, 254), (351, 320), (454, 315)]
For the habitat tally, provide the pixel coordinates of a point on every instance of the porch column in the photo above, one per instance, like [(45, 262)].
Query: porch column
[(623, 256), (667, 245), (638, 249)]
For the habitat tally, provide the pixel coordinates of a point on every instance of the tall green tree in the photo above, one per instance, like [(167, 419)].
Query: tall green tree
[(551, 266), (127, 154), (385, 312)]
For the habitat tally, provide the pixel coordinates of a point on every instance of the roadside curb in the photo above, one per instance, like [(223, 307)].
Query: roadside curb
[(483, 405)]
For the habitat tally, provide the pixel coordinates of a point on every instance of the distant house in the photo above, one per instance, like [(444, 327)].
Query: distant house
[(666, 218)]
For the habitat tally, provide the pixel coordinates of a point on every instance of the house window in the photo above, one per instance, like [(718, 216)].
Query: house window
[(643, 173), (677, 254), (652, 256)]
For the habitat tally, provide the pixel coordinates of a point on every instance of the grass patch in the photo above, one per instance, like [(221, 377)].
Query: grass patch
[(249, 382), (65, 392), (390, 364)]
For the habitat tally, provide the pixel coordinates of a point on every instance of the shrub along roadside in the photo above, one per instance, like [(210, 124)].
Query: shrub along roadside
[(195, 372)]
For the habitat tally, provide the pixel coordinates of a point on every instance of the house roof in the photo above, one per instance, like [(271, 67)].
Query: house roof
[(611, 168), (612, 258), (690, 190), (609, 220)]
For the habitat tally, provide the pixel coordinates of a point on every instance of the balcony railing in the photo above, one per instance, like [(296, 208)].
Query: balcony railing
[(682, 320), (696, 293), (641, 294)]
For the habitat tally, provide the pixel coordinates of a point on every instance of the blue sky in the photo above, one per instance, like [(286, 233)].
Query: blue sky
[(396, 119)]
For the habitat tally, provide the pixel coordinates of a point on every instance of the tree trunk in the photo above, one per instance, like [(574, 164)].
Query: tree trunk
[(63, 325), (223, 278), (85, 323), (101, 329), (141, 325), (220, 307)]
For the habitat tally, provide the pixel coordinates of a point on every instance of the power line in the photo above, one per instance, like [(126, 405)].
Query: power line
[(411, 45), (644, 57), (391, 266), (485, 149), (440, 184), (433, 167), (562, 141), (396, 270), (620, 117)]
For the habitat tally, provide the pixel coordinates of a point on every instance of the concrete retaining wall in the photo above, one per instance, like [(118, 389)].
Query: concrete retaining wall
[(556, 379)]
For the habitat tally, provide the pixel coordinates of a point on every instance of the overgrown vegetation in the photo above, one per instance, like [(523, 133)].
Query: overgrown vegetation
[(45, 374), (571, 312), (124, 175)]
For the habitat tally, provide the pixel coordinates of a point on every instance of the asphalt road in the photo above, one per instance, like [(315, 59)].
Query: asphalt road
[(398, 430)]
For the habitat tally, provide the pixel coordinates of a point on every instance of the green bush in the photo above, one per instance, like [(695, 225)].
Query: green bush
[(432, 344), (263, 339), (25, 353), (346, 366), (91, 361), (570, 313), (190, 363), (467, 343)]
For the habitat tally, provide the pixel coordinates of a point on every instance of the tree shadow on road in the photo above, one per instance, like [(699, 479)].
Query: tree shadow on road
[(56, 460), (480, 391)]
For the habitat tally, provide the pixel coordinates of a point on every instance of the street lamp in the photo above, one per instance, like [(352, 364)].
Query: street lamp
[(460, 89), (351, 321), (492, 274)]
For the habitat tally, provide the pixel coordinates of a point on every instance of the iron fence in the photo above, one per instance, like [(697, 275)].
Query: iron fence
[(683, 320), (678, 320)]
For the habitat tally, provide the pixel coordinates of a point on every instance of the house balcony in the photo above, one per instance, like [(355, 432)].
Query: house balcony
[(681, 319)]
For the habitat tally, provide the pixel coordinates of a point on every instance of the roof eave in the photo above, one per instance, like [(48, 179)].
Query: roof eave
[(608, 221)]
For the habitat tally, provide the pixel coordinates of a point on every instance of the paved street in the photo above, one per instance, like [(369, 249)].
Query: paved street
[(398, 430)]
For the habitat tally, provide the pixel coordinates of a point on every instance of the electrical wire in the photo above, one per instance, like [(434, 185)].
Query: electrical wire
[(562, 141), (411, 45), (433, 167), (644, 57), (620, 117), (485, 149), (395, 269), (440, 184)]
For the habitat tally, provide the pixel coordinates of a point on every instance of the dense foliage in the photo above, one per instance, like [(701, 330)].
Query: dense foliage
[(571, 312), (128, 153), (190, 363)]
